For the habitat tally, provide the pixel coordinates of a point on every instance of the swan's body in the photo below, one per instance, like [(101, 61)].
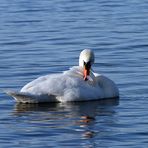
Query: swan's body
[(77, 84)]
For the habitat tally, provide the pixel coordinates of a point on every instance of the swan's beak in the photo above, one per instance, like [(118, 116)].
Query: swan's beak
[(86, 70)]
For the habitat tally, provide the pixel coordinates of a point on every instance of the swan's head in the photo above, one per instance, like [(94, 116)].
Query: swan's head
[(86, 60)]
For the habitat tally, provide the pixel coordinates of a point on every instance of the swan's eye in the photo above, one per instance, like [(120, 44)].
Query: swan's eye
[(87, 64)]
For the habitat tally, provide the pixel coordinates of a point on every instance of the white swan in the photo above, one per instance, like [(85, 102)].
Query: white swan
[(79, 83)]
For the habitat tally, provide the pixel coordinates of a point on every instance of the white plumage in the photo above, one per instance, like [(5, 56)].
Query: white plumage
[(71, 85)]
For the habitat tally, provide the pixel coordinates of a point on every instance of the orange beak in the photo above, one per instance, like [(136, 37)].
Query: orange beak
[(86, 71)]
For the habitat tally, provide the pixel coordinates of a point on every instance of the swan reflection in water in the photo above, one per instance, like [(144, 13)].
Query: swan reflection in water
[(87, 108), (86, 118)]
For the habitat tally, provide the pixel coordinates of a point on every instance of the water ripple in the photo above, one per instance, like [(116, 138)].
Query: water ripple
[(42, 37)]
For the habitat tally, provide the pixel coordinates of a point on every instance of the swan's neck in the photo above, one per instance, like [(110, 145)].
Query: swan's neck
[(92, 79)]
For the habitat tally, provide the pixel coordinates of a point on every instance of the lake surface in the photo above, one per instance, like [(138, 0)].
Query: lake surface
[(43, 37)]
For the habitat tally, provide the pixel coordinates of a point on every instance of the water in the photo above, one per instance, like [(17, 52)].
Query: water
[(42, 37)]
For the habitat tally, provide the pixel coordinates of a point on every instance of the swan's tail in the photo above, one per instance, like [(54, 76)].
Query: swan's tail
[(22, 97)]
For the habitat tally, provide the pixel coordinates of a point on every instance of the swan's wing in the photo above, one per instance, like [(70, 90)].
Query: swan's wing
[(28, 98), (108, 86), (34, 83)]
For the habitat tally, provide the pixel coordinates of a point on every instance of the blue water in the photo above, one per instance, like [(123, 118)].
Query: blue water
[(43, 37)]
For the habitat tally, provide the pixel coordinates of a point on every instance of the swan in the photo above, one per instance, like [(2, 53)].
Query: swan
[(79, 83)]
